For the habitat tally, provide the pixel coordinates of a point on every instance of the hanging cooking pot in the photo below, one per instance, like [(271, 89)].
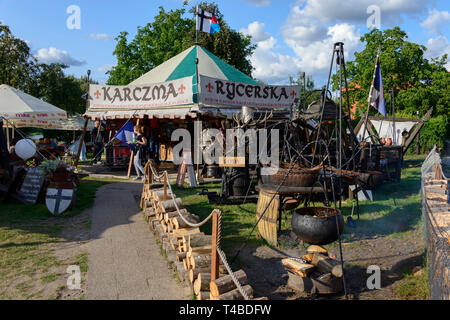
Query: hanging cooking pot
[(317, 225)]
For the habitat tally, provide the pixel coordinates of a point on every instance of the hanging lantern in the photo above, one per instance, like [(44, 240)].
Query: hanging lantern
[(25, 149)]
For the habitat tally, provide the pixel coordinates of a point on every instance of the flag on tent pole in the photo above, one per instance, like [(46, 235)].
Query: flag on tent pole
[(206, 21), (376, 94), (126, 134)]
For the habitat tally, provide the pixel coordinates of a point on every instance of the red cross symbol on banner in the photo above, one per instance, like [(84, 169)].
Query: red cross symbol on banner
[(209, 87), (293, 94), (97, 94), (181, 89)]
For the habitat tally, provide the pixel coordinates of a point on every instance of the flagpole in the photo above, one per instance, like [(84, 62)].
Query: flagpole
[(370, 95), (196, 21)]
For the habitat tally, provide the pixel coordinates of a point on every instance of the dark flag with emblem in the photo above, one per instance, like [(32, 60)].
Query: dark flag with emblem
[(206, 22), (376, 94)]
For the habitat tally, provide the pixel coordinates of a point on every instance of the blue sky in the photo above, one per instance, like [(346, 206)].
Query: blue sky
[(290, 35)]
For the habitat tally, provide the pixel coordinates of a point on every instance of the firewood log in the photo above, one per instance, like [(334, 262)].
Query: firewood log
[(225, 283), (185, 231), (193, 273), (159, 195), (302, 269), (178, 222), (202, 282), (169, 205), (196, 240), (200, 250), (326, 265), (181, 256), (234, 294), (203, 295)]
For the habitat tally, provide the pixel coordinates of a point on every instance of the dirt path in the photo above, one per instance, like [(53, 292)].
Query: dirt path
[(124, 260)]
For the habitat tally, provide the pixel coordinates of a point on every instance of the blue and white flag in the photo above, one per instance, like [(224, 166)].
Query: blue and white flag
[(376, 94), (126, 134)]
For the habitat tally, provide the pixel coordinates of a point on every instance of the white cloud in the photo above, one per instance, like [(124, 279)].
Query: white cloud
[(437, 47), (105, 68), (53, 55), (255, 30), (99, 36), (259, 3), (436, 21), (355, 11)]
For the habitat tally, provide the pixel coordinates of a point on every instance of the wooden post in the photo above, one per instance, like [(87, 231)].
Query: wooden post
[(129, 164), (214, 255), (165, 186)]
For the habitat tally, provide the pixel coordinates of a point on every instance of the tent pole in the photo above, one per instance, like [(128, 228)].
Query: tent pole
[(86, 120), (7, 135)]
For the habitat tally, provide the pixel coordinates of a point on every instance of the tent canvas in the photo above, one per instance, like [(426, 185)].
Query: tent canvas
[(16, 104)]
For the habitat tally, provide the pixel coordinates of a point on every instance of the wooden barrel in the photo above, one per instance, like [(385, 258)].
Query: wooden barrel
[(267, 226)]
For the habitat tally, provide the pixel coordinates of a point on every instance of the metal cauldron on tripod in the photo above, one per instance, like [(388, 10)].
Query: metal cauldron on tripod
[(317, 225)]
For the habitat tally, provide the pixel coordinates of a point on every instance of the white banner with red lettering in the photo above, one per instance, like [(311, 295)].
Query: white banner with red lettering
[(224, 92), (164, 94)]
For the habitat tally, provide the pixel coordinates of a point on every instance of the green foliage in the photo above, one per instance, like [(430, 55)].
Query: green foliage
[(431, 133), (418, 83), (307, 91), (171, 33), (18, 67)]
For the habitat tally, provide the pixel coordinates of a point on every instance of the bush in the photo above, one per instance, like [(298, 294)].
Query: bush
[(434, 131)]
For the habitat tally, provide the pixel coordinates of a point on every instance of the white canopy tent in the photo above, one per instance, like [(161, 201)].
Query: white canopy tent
[(16, 105)]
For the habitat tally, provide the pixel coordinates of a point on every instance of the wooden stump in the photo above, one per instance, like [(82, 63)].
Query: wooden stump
[(234, 294), (225, 283)]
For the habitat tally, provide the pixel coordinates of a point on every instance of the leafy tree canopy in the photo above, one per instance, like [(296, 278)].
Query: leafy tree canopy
[(418, 83), (171, 33)]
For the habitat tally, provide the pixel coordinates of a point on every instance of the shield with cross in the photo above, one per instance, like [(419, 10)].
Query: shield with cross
[(58, 200)]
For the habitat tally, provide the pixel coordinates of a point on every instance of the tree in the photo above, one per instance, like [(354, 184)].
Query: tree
[(307, 91), (17, 66), (418, 83), (168, 35), (63, 91)]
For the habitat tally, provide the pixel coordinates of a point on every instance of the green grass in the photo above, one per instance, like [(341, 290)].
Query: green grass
[(395, 211), (414, 287), (27, 235), (237, 220), (81, 260), (50, 277)]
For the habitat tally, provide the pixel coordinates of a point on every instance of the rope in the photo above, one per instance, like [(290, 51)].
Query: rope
[(194, 225), (224, 259)]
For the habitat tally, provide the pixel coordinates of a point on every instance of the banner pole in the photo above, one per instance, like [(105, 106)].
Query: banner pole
[(85, 122)]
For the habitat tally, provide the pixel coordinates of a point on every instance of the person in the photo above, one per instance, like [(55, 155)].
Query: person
[(96, 139), (383, 141), (140, 142), (154, 140)]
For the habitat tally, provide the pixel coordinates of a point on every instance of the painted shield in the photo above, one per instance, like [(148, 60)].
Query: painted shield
[(58, 200)]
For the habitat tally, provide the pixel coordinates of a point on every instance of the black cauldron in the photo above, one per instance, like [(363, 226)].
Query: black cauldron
[(317, 225)]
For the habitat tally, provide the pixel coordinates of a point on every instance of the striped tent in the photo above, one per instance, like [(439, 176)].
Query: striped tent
[(183, 65)]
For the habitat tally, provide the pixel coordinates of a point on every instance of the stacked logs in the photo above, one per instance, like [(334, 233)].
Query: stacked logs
[(317, 272), (437, 197), (188, 250)]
